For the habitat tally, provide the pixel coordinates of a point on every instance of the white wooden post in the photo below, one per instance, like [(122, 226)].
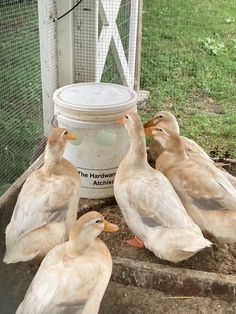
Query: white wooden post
[(48, 55), (65, 43), (133, 30), (138, 48), (86, 34), (143, 94)]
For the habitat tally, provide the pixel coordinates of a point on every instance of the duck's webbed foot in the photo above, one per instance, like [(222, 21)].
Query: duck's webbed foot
[(136, 242)]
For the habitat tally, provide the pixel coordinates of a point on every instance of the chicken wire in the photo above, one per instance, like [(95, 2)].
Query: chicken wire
[(87, 48), (110, 71), (21, 120), (21, 105)]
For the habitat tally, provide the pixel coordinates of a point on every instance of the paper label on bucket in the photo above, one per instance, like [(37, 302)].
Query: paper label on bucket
[(97, 178)]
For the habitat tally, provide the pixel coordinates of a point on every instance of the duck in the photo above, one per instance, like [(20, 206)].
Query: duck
[(46, 207), (165, 119), (74, 275), (150, 205), (207, 195)]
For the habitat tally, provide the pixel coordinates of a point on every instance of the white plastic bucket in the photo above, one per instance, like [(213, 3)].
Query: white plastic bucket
[(90, 111)]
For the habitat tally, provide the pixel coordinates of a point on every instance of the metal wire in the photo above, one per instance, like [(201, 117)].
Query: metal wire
[(82, 45), (21, 120), (63, 15), (110, 72)]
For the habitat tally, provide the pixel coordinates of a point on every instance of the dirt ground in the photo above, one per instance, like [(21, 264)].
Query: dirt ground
[(120, 299), (219, 258)]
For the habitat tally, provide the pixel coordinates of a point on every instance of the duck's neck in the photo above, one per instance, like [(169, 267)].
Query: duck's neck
[(137, 153), (80, 244), (178, 150), (174, 126), (52, 159), (171, 156)]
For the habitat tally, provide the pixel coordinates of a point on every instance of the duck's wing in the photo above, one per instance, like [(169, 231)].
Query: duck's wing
[(42, 200), (154, 198), (193, 149), (60, 286), (205, 184), (229, 177)]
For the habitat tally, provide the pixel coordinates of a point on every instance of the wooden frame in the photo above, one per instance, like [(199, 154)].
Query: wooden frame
[(48, 55), (72, 50), (86, 34), (65, 44)]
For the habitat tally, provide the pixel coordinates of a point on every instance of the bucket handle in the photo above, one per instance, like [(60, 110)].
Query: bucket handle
[(54, 122)]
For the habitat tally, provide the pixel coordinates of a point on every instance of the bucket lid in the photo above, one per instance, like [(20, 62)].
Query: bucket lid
[(95, 98)]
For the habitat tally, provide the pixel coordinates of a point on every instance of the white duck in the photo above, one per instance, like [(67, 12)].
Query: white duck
[(205, 192), (150, 205), (47, 205), (74, 275), (166, 120)]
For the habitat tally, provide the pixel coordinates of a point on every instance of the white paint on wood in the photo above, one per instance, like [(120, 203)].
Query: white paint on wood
[(133, 39), (138, 48), (65, 41), (48, 55), (120, 59), (86, 34), (102, 14)]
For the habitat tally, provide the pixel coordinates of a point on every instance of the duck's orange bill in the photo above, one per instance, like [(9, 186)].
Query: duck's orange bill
[(148, 131), (149, 124), (71, 136), (109, 227), (120, 121)]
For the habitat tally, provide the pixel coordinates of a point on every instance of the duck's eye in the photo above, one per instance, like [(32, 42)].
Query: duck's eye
[(160, 116), (126, 116), (66, 132), (98, 221), (160, 130)]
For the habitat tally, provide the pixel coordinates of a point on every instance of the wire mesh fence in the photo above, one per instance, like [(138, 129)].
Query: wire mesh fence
[(110, 72), (20, 80), (103, 38), (21, 121), (185, 69)]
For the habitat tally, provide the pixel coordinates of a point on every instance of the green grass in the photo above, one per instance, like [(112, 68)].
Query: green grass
[(189, 66), (20, 98)]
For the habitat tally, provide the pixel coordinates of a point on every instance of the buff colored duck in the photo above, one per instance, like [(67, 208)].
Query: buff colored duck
[(207, 195), (46, 207), (167, 120), (74, 275), (150, 206)]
